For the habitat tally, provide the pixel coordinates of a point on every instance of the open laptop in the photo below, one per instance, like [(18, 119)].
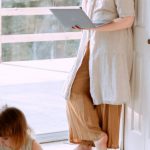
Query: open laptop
[(72, 16)]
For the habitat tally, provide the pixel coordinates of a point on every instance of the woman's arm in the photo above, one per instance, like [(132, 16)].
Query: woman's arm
[(117, 24), (36, 146)]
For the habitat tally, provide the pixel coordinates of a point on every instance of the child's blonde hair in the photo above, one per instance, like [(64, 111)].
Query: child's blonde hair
[(13, 124)]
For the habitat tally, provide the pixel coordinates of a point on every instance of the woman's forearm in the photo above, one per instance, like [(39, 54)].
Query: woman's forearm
[(117, 24)]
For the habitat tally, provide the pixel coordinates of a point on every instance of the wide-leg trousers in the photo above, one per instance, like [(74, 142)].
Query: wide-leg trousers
[(87, 121)]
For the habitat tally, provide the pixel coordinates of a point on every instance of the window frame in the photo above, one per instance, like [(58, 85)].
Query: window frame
[(46, 137)]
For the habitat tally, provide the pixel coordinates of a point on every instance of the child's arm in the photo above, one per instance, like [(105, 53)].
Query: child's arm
[(1, 142), (36, 146)]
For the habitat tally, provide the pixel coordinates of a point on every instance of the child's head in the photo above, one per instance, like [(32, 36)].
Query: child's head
[(13, 127)]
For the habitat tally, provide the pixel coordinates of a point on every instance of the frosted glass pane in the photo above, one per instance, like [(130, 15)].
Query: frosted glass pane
[(39, 50), (31, 25), (38, 3)]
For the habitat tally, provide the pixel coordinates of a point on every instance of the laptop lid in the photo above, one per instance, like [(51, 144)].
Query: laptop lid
[(72, 16)]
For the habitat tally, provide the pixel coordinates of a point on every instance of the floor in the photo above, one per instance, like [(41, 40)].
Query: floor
[(62, 145)]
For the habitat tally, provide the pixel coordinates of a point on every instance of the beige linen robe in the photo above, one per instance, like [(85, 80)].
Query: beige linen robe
[(110, 61)]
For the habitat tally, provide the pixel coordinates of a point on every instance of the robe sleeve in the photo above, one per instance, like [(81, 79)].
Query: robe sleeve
[(125, 8), (84, 5)]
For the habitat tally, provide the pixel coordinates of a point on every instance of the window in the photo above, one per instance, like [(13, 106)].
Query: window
[(36, 54)]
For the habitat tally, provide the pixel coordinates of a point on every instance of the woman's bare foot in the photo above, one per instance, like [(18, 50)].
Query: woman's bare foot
[(83, 147), (101, 144)]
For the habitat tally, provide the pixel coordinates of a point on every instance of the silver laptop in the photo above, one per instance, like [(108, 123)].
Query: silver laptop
[(70, 17)]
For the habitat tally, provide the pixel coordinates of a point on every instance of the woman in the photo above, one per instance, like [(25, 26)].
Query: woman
[(14, 131), (100, 81)]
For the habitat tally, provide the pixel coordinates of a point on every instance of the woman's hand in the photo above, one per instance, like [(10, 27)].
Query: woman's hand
[(79, 28)]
